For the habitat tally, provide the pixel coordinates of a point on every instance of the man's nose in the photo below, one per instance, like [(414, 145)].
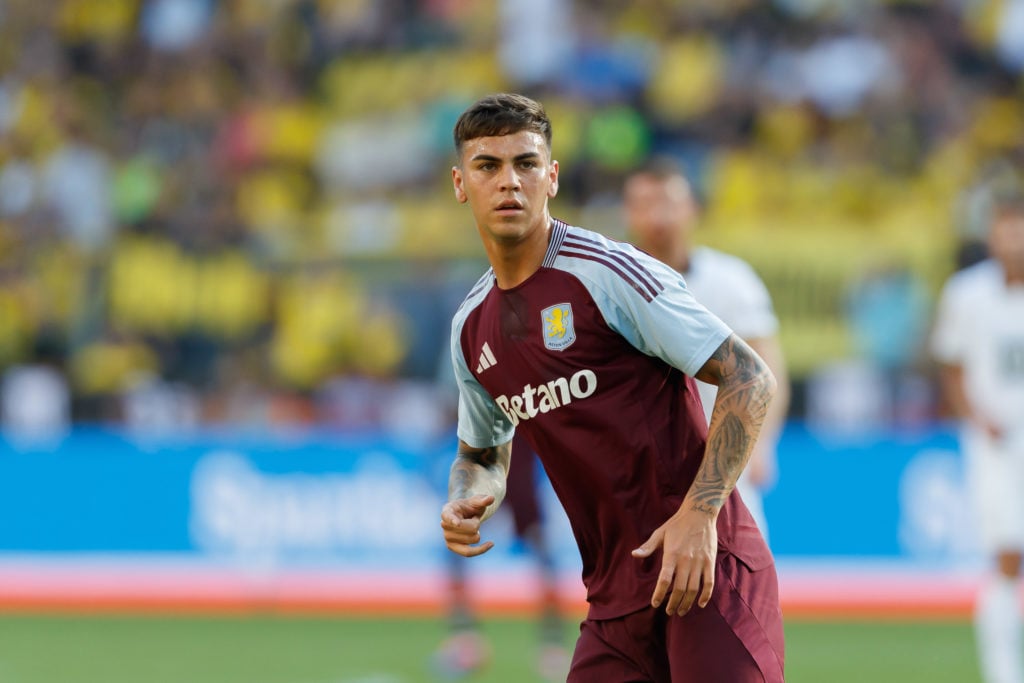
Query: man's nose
[(509, 179)]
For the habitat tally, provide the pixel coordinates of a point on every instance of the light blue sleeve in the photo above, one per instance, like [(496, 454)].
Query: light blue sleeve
[(481, 422), (671, 325)]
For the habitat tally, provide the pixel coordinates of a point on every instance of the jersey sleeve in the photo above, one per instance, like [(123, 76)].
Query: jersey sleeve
[(663, 320), (949, 342), (481, 422)]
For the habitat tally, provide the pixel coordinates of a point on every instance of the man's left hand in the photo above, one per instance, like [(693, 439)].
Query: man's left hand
[(689, 540)]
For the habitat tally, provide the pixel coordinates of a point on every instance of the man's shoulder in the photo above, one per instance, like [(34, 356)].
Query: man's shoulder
[(573, 237), (607, 263), (720, 263), (984, 276), (477, 293)]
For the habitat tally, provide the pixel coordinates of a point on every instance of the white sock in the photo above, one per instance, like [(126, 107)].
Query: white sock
[(997, 623)]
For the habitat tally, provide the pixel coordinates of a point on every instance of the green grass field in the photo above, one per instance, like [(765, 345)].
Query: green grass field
[(268, 649)]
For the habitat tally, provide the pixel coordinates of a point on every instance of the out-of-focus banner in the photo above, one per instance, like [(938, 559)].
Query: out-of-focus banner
[(287, 497), (885, 496), (122, 517)]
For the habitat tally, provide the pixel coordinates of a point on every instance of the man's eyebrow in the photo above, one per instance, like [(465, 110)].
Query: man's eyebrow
[(518, 157)]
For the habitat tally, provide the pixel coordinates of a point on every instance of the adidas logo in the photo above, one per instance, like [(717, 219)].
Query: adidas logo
[(487, 359)]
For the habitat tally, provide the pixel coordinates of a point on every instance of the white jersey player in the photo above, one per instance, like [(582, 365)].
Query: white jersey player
[(661, 213), (979, 340)]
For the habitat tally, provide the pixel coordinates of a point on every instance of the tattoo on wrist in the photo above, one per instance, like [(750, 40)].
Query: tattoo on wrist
[(459, 480), (477, 469), (708, 509)]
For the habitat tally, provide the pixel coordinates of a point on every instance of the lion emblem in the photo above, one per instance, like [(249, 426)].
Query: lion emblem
[(558, 328)]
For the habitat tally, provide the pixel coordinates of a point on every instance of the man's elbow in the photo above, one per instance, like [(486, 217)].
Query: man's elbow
[(769, 384)]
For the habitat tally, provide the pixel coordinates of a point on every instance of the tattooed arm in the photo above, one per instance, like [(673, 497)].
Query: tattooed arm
[(476, 487), (745, 390), (690, 537)]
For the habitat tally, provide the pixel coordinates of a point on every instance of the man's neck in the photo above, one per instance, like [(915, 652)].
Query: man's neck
[(678, 257), (683, 262), (513, 263), (1012, 269)]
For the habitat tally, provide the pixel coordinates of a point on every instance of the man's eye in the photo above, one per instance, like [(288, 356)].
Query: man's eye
[(527, 164)]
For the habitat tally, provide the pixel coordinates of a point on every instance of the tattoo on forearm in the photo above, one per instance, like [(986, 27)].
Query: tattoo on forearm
[(745, 389), (460, 479), (723, 461), (479, 470)]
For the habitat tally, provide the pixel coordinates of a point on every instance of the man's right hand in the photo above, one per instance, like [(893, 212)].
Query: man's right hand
[(460, 520)]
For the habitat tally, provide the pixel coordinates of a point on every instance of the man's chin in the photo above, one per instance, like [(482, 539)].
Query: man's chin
[(509, 232)]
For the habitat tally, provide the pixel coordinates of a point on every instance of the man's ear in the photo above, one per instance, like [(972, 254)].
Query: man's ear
[(553, 176), (460, 193)]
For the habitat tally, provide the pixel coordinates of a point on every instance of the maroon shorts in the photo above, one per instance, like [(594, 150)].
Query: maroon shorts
[(521, 488), (737, 638)]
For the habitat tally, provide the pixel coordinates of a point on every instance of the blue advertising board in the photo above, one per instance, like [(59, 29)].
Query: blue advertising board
[(368, 500)]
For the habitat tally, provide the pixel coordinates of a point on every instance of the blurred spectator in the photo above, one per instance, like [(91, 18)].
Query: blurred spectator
[(36, 402), (1010, 40), (182, 181), (535, 40), (174, 25), (889, 314), (76, 185)]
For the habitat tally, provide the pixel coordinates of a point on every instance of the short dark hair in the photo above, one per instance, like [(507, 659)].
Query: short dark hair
[(501, 114), (660, 167), (664, 167)]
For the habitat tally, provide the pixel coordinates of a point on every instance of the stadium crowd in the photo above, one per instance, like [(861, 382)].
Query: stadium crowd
[(231, 210)]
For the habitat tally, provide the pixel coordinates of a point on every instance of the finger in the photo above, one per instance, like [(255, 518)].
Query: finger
[(458, 536), (689, 593), (463, 524), (481, 501), (650, 545), (678, 594), (451, 514), (709, 584), (467, 550), (668, 570)]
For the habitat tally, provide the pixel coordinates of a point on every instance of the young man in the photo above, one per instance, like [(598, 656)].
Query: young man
[(589, 348), (661, 216), (979, 340)]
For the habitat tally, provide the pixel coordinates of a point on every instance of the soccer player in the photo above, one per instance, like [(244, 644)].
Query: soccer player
[(979, 340), (661, 215), (591, 351)]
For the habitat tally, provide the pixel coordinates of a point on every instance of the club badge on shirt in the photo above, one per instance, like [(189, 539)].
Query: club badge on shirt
[(557, 324)]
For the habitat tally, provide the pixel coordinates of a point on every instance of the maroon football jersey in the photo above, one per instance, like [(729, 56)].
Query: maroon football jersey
[(591, 359)]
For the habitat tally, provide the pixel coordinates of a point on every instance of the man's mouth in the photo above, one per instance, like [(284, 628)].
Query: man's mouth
[(510, 205)]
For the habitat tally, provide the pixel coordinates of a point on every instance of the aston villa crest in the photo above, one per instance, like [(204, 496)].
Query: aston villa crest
[(559, 333)]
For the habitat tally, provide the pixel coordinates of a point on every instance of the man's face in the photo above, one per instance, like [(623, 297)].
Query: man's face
[(659, 213), (506, 180), (1006, 239)]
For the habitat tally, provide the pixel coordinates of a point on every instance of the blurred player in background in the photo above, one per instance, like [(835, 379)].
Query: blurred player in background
[(466, 650), (979, 340), (591, 348), (661, 216)]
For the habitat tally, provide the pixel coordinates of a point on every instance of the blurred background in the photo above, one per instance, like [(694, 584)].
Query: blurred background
[(229, 255)]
